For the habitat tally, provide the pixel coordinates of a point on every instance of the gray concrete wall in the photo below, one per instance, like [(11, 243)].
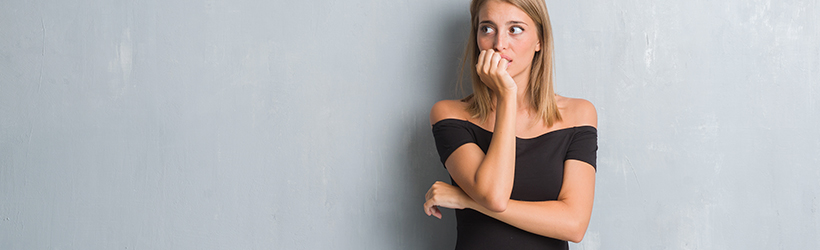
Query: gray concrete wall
[(303, 124)]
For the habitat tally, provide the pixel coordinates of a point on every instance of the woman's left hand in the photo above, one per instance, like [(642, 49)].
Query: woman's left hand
[(445, 195)]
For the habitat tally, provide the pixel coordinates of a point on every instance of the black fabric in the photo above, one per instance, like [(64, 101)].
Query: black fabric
[(539, 172)]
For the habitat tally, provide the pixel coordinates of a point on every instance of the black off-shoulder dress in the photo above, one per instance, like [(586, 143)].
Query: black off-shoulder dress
[(539, 172)]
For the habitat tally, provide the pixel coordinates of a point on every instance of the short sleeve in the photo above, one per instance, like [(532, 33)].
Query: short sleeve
[(450, 134), (584, 145)]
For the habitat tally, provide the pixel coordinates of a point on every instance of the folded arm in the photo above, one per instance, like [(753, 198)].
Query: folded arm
[(566, 218), (487, 179)]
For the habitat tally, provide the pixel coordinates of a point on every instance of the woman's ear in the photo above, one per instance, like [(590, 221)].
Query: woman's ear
[(538, 46)]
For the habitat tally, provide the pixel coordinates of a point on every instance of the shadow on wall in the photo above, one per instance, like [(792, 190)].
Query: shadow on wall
[(422, 167)]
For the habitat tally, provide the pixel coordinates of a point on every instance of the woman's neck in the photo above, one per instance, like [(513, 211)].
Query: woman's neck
[(522, 80)]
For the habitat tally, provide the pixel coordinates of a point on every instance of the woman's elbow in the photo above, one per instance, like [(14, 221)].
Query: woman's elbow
[(498, 206), (494, 200), (496, 203), (576, 238), (577, 232)]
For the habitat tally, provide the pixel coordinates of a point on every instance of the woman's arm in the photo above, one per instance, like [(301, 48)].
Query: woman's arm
[(488, 179), (566, 218)]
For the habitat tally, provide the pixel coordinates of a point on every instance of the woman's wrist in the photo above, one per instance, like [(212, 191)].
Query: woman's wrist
[(509, 94), (469, 203), (507, 98)]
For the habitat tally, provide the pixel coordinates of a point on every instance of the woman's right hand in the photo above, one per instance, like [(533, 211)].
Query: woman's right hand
[(492, 70), (445, 195)]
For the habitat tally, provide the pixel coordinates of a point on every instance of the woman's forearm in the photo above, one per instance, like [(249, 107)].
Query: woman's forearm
[(554, 219), (494, 176), (565, 218)]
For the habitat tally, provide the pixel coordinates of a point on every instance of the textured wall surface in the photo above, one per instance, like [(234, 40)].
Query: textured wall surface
[(303, 124)]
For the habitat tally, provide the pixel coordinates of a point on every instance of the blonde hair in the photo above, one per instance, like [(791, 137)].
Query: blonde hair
[(540, 87)]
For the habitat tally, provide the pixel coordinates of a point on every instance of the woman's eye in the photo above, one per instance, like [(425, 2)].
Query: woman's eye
[(516, 30), (486, 30)]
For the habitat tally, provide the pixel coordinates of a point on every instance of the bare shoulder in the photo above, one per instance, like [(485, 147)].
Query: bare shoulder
[(448, 109), (578, 112)]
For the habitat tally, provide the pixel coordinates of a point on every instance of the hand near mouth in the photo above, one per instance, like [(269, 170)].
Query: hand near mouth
[(492, 70)]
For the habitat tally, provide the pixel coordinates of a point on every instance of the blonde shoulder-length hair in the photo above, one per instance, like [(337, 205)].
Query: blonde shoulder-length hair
[(540, 87)]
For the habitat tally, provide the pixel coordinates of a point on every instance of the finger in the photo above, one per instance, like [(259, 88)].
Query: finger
[(487, 61), (437, 212), (430, 191), (430, 207), (480, 61), (494, 63), (503, 64), (491, 59)]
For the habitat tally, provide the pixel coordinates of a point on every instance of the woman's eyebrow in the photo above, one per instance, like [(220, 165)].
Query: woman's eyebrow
[(508, 23)]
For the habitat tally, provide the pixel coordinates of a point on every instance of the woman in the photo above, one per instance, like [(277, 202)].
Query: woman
[(521, 158)]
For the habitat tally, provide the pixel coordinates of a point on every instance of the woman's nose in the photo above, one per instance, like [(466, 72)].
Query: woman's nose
[(500, 42)]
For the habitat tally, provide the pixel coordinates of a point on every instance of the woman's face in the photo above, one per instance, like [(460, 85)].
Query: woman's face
[(508, 30)]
